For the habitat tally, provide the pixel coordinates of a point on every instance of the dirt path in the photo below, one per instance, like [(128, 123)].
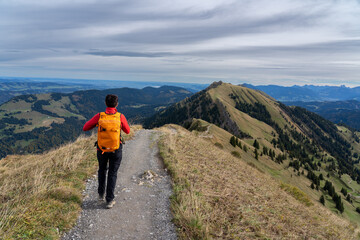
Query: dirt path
[(142, 209)]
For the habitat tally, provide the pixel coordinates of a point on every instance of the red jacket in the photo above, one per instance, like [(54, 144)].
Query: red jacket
[(95, 119)]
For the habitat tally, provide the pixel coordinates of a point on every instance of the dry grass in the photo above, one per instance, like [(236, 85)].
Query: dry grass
[(40, 195), (39, 190), (218, 196)]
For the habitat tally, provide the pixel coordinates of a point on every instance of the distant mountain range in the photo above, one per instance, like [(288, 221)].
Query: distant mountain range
[(340, 112), (308, 93), (36, 122), (15, 86)]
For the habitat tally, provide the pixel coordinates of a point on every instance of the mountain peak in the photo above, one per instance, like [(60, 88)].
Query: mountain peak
[(214, 85)]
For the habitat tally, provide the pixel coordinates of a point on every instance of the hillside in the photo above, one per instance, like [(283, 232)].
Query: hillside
[(220, 196), (36, 122), (290, 143), (41, 194)]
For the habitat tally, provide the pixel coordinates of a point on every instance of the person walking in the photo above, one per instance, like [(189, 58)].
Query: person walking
[(109, 146)]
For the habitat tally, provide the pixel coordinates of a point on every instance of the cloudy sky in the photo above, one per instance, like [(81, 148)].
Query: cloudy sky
[(281, 42)]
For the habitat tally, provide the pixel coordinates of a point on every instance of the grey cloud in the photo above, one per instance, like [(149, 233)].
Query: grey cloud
[(129, 54), (97, 13), (14, 55), (318, 49), (187, 34), (209, 24)]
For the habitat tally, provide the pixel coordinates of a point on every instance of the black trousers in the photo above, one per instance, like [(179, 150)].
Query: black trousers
[(114, 160)]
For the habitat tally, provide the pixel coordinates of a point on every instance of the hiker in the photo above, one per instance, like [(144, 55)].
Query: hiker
[(109, 146)]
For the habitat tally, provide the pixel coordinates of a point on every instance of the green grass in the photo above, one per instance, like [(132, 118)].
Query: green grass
[(353, 184), (297, 194), (58, 107), (16, 106)]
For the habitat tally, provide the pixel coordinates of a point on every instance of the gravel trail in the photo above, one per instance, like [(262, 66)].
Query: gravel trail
[(142, 209)]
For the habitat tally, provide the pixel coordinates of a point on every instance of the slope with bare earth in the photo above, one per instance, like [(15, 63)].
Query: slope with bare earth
[(219, 196)]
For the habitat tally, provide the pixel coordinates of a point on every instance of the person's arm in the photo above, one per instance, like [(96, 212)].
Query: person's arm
[(91, 123), (124, 124)]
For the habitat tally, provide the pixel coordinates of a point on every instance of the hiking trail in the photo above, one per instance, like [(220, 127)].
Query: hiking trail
[(142, 209)]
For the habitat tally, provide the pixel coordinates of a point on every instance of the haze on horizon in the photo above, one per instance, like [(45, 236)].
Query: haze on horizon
[(261, 42)]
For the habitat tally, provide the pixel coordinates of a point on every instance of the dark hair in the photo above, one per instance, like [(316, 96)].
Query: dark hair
[(111, 100)]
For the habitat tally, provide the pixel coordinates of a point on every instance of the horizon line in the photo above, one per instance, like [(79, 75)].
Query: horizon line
[(176, 82)]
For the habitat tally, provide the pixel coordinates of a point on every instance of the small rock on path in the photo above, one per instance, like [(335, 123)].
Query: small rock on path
[(142, 209)]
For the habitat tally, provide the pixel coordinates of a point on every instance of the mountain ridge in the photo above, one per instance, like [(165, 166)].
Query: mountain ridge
[(294, 137)]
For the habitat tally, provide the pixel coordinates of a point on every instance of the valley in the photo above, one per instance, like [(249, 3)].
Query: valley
[(309, 93), (339, 112)]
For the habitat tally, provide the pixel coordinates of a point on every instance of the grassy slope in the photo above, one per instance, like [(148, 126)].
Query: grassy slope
[(58, 108), (246, 123), (280, 172), (287, 175), (249, 96), (40, 195), (262, 132), (22, 110), (217, 195)]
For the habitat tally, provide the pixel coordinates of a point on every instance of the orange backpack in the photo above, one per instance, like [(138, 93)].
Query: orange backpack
[(109, 129)]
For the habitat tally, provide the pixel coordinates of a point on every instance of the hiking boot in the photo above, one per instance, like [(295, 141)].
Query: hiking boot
[(110, 204), (101, 198)]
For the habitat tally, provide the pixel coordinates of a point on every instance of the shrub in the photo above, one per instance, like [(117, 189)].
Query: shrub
[(358, 209), (219, 145), (236, 154), (297, 194)]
